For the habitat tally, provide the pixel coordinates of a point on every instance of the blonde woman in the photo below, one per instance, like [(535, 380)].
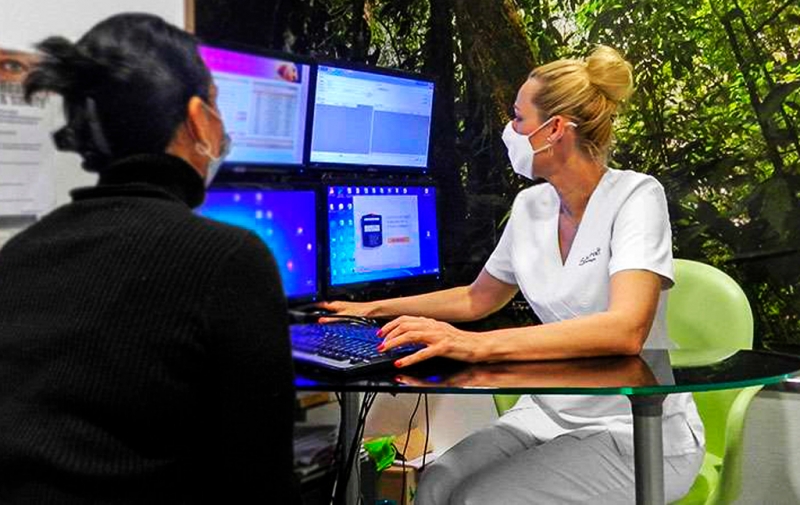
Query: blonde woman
[(592, 253)]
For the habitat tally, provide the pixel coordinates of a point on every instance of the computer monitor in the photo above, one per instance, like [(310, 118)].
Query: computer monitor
[(382, 240), (371, 118), (263, 98), (285, 219)]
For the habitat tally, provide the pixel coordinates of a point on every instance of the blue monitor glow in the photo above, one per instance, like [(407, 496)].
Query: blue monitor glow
[(285, 220), (380, 236), (371, 118), (263, 100)]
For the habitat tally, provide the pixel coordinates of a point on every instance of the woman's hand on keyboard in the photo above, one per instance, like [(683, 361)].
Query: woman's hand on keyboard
[(439, 339)]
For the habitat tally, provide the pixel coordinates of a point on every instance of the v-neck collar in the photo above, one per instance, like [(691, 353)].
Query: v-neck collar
[(587, 215)]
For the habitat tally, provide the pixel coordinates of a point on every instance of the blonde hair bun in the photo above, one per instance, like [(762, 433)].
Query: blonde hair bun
[(610, 73)]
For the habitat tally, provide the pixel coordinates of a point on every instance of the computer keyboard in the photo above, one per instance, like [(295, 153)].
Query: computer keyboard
[(342, 347)]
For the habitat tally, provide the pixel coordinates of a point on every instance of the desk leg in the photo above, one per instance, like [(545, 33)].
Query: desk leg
[(648, 446), (349, 421)]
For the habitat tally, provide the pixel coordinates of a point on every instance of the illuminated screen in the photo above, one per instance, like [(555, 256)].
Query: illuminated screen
[(263, 101), (381, 232), (284, 220), (369, 119)]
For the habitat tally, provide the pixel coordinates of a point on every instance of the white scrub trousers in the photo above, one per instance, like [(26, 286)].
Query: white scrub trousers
[(507, 466)]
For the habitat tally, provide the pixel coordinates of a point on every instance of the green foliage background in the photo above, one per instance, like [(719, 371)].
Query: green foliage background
[(715, 117)]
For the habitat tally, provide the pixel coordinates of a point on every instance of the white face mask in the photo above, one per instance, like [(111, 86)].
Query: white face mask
[(520, 151), (215, 162)]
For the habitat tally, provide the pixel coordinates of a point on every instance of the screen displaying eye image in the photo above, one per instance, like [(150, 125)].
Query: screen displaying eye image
[(377, 233), (263, 101), (285, 221)]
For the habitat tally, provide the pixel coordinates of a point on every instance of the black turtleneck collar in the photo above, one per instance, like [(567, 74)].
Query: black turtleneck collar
[(143, 174)]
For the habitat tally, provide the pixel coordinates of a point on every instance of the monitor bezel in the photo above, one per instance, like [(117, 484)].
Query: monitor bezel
[(360, 168), (318, 235), (386, 288), (269, 166)]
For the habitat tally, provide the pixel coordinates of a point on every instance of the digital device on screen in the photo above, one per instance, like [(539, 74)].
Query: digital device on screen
[(381, 238), (285, 219), (263, 99), (369, 118)]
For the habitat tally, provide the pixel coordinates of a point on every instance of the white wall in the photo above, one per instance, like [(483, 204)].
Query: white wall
[(24, 23)]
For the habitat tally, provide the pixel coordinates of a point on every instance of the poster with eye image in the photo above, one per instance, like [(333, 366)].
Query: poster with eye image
[(27, 185)]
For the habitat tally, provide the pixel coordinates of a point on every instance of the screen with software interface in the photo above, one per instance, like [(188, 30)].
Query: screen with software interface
[(263, 101), (381, 232), (371, 119), (284, 220)]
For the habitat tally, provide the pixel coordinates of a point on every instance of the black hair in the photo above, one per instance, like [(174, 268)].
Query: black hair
[(126, 85)]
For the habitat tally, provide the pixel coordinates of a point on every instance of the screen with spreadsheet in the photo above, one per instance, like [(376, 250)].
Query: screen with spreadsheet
[(381, 233), (264, 102), (371, 118), (285, 220)]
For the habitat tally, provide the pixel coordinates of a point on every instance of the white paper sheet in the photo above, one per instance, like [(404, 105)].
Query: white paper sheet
[(27, 185)]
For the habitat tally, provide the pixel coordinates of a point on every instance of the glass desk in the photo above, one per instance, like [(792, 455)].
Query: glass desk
[(645, 379)]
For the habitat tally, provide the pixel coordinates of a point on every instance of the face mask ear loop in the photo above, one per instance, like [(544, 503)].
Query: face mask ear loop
[(204, 150), (201, 148), (550, 141)]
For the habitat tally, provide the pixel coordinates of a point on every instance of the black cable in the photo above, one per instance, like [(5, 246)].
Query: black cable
[(355, 447), (360, 320), (405, 448), (339, 436), (427, 434), (344, 472), (338, 449), (363, 424), (342, 468)]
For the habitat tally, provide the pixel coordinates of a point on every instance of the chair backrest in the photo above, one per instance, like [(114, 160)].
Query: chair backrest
[(706, 309)]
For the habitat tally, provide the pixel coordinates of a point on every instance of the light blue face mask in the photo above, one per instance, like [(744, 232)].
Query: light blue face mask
[(215, 162)]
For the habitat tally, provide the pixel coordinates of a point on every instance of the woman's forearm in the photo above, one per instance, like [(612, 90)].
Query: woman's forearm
[(602, 334), (453, 305)]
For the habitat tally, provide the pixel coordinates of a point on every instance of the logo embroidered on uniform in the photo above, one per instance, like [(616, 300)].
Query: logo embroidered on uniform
[(592, 256)]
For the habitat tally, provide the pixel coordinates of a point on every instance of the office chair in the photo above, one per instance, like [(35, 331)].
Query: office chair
[(707, 309)]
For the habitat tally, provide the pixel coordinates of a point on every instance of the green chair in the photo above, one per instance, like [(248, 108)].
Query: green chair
[(707, 309)]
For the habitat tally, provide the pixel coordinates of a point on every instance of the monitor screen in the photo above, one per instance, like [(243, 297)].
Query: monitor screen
[(365, 118), (379, 233), (264, 101), (285, 220)]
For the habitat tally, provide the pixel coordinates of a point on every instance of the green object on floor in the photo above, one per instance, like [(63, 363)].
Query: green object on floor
[(382, 452)]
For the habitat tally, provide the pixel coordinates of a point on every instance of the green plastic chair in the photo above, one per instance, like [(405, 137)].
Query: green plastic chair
[(707, 309)]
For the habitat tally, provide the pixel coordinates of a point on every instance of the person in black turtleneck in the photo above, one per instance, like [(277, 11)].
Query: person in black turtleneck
[(144, 351)]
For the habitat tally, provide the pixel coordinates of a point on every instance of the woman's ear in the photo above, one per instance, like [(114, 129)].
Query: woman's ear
[(195, 129), (557, 129), (198, 123)]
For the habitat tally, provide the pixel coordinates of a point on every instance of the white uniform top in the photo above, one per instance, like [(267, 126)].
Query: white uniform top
[(625, 226)]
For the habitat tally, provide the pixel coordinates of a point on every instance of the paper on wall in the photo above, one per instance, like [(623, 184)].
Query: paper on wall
[(27, 185)]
